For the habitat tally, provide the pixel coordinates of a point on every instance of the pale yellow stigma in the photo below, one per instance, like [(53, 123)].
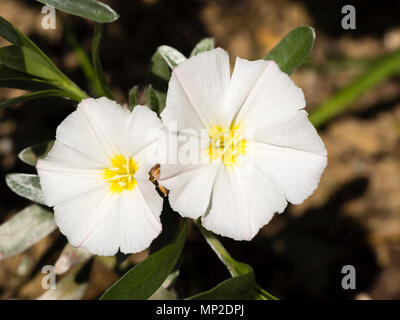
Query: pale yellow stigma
[(226, 144), (121, 174)]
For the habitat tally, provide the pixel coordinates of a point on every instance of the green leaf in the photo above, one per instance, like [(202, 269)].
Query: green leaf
[(145, 278), (293, 49), (25, 229), (259, 293), (243, 273), (133, 98), (85, 61), (26, 186), (34, 95), (237, 288), (374, 74), (98, 69), (206, 44), (166, 291), (151, 99), (158, 76), (24, 85), (13, 35), (32, 154), (26, 55), (89, 9), (7, 73), (28, 61), (16, 37), (11, 78), (171, 56)]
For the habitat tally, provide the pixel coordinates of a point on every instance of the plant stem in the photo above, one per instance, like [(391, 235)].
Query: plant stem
[(218, 248), (235, 268), (374, 75), (74, 92), (84, 61)]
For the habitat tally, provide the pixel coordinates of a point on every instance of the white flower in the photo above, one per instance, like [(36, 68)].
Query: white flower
[(97, 178), (257, 118)]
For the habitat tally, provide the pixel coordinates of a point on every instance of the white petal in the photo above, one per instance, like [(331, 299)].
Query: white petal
[(81, 132), (66, 173), (138, 226), (154, 202), (109, 121), (144, 128), (103, 239), (244, 77), (295, 172), (190, 187), (103, 222), (291, 131), (139, 222), (62, 155), (197, 91), (90, 220), (242, 203), (273, 95)]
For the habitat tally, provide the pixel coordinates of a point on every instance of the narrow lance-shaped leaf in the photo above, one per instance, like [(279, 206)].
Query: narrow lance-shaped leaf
[(7, 73), (133, 97), (97, 67), (158, 76), (26, 56), (25, 85), (145, 278), (11, 78), (151, 98), (293, 49), (206, 44), (32, 154), (166, 291), (25, 229), (28, 61), (171, 56), (14, 36), (239, 287), (26, 186), (89, 9), (374, 74), (34, 95), (84, 59), (243, 277)]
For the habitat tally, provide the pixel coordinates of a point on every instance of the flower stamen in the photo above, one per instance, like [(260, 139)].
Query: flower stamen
[(121, 174), (226, 144)]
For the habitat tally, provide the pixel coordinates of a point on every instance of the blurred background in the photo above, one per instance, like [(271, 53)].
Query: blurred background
[(353, 218)]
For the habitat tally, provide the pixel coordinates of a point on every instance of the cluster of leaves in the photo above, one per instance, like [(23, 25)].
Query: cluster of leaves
[(24, 65)]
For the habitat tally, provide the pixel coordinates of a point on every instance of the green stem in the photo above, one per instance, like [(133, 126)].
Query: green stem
[(84, 61), (219, 249), (374, 75), (235, 268), (74, 92)]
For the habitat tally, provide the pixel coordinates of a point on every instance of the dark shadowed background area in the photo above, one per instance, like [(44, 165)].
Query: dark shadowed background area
[(353, 218)]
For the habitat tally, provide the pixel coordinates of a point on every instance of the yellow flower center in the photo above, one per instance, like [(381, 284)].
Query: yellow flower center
[(121, 174), (226, 144)]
